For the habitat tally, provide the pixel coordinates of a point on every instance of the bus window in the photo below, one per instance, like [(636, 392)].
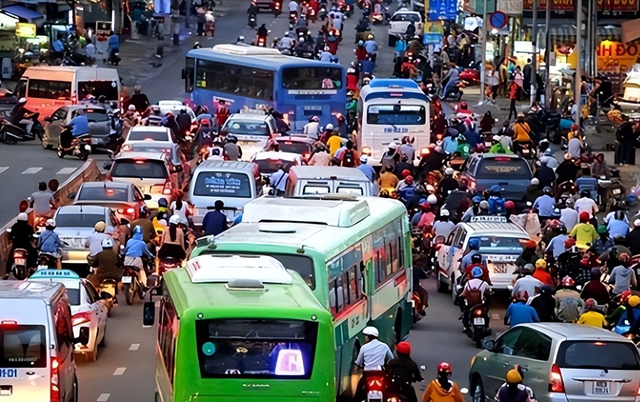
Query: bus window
[(396, 114), (312, 78), (97, 88), (256, 348), (237, 80), (60, 90), (189, 74)]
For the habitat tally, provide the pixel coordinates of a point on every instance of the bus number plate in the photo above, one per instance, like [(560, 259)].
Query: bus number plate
[(8, 373)]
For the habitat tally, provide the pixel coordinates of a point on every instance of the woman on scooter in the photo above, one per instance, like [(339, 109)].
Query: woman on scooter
[(173, 241)]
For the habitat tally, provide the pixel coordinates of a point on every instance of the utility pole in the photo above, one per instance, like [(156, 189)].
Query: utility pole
[(549, 51), (534, 53), (483, 68), (578, 51)]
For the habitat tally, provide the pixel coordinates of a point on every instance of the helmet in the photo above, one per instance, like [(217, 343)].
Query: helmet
[(22, 100), (476, 272), (602, 229), (541, 263), (162, 202), (364, 159), (286, 34), (494, 190), (370, 36), (100, 226), (217, 140), (174, 220), (584, 217), (444, 367), (483, 204), (408, 180), (432, 199), (448, 171), (477, 199), (329, 127), (633, 301), (513, 377), (51, 223), (444, 212), (546, 190), (534, 181), (405, 173), (474, 244), (510, 206), (22, 217), (107, 243), (240, 39), (585, 193), (590, 304), (569, 202), (528, 268), (232, 138), (315, 118), (102, 98), (371, 331), (476, 258), (568, 281), (530, 244), (403, 348), (143, 211), (137, 230), (624, 257)]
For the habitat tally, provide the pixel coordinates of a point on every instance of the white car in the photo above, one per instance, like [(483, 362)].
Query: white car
[(501, 242), (88, 309), (400, 21), (268, 161), (149, 134), (253, 128), (174, 107)]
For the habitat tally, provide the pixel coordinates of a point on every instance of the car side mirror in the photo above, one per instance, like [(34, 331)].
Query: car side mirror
[(105, 295), (83, 338), (107, 165), (148, 314), (147, 197), (489, 345)]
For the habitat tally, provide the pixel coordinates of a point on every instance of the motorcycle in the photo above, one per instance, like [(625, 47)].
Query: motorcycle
[(311, 15), (322, 13), (108, 290), (565, 191), (526, 152), (261, 41), (19, 269), (375, 386), (419, 309), (11, 133), (131, 285), (80, 148), (46, 261), (293, 18), (277, 8), (479, 323), (252, 21)]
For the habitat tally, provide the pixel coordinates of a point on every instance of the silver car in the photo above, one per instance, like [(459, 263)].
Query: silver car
[(561, 363), (99, 124)]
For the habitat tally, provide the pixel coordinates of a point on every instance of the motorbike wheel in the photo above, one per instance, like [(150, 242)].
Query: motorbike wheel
[(9, 140), (129, 292), (477, 390), (60, 153), (83, 156), (39, 134), (477, 336)]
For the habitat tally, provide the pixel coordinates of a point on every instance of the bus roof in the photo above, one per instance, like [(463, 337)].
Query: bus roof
[(389, 88), (269, 62)]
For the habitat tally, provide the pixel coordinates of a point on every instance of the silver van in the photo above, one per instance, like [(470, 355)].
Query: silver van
[(307, 180), (233, 182), (561, 363), (37, 343)]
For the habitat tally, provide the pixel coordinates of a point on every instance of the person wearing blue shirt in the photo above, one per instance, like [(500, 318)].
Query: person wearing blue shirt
[(278, 181), (519, 312), (472, 136), (368, 170), (371, 47), (215, 222), (113, 44), (367, 66), (134, 250), (556, 244), (58, 48), (326, 55), (79, 124), (544, 205), (474, 247), (450, 145), (50, 243), (617, 228)]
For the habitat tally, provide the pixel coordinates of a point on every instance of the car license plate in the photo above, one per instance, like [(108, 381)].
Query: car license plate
[(500, 268), (478, 321), (20, 262), (600, 388), (487, 144), (616, 191), (126, 279), (374, 396), (8, 373)]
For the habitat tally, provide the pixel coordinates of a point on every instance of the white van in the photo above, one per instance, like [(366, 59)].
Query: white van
[(37, 343), (307, 180), (48, 88)]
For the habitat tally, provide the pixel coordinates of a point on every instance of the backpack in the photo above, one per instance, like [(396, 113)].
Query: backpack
[(348, 159), (496, 206), (474, 296), (216, 151), (407, 194)]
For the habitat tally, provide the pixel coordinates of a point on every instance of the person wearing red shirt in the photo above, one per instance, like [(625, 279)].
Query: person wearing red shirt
[(222, 114), (361, 53), (513, 96), (541, 273)]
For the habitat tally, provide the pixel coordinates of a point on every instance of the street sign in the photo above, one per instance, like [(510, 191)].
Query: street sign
[(498, 20), (432, 38)]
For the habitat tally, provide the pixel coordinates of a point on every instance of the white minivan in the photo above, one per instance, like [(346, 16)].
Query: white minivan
[(37, 343), (311, 180), (47, 88)]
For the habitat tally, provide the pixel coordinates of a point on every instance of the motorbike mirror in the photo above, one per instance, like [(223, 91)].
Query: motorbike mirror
[(105, 295), (148, 314), (147, 197), (488, 344), (83, 338)]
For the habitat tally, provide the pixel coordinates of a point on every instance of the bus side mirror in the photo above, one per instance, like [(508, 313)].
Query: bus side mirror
[(148, 314), (184, 74)]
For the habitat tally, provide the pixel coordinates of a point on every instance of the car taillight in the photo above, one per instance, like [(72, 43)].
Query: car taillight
[(55, 379), (130, 211), (81, 318), (167, 188), (375, 384), (555, 380)]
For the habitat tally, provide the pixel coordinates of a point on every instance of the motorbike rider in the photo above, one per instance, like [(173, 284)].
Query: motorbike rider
[(232, 151), (527, 283), (544, 304), (106, 264), (21, 115), (521, 134), (622, 276), (519, 312), (173, 240), (184, 122), (134, 251), (286, 43), (544, 205), (143, 221), (217, 150), (443, 226), (43, 202), (94, 242), (474, 249), (592, 316), (447, 184), (262, 31), (474, 291), (514, 390), (403, 371), (49, 242), (568, 302), (442, 389), (372, 358), (140, 100), (78, 125), (252, 11), (21, 236)]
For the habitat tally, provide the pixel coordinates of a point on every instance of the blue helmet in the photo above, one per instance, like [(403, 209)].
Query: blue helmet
[(162, 202), (495, 189), (477, 199), (137, 230), (476, 272), (474, 244), (548, 153)]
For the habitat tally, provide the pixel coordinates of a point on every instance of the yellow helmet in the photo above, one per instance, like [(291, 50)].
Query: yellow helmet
[(513, 377), (634, 301), (100, 226), (541, 263)]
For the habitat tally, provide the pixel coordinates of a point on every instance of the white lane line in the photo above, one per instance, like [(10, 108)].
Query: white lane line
[(2, 169), (103, 398), (32, 170), (134, 346), (68, 170), (120, 371)]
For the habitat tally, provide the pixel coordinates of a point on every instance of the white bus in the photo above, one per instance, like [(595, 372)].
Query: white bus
[(389, 109)]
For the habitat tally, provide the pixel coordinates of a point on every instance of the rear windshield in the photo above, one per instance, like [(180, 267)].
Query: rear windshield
[(145, 169), (598, 355), (96, 115), (78, 220), (45, 89), (140, 135), (74, 296), (223, 184), (103, 194), (97, 88), (256, 348), (268, 166), (406, 17), (239, 127), (351, 190), (315, 189), (294, 147), (22, 346), (503, 168), (497, 244)]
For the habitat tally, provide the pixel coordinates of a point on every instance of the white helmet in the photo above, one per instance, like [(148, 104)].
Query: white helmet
[(329, 127), (444, 212), (174, 220), (22, 100), (448, 171), (107, 243), (23, 217), (371, 331), (286, 34), (364, 159), (432, 199), (51, 222)]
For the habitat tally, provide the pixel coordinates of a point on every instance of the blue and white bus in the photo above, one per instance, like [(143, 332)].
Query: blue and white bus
[(390, 109), (256, 77)]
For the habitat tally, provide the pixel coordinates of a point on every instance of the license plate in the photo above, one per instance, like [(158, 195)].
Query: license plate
[(478, 321), (126, 279), (374, 396), (616, 191), (8, 373), (487, 144), (601, 388), (500, 268), (20, 261)]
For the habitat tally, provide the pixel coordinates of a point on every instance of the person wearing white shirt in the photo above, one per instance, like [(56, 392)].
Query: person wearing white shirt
[(569, 217), (372, 358), (443, 227), (312, 129), (611, 215), (527, 283), (293, 6), (278, 181), (320, 158), (587, 204), (286, 43)]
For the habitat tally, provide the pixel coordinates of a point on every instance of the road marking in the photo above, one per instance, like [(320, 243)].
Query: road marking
[(2, 169), (32, 170), (68, 170), (120, 371), (103, 397), (134, 346)]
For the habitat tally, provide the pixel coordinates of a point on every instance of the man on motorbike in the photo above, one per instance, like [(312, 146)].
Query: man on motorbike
[(140, 100), (527, 283), (184, 122), (474, 291), (21, 115), (143, 221), (443, 226), (286, 43), (447, 184), (622, 276), (544, 205), (106, 264), (262, 31), (519, 312), (95, 241), (42, 201), (496, 201), (403, 371), (584, 232), (134, 252), (372, 358), (21, 236), (521, 134), (568, 302), (78, 125), (474, 249), (49, 243), (442, 389)]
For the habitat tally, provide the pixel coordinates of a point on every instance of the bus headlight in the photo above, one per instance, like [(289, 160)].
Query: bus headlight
[(366, 150)]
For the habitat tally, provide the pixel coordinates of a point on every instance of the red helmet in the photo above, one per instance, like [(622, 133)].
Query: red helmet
[(510, 206), (403, 348), (444, 367), (568, 281), (522, 295), (405, 173)]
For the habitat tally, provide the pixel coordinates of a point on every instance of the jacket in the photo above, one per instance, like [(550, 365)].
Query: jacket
[(21, 235), (435, 393), (136, 247), (114, 42), (50, 243)]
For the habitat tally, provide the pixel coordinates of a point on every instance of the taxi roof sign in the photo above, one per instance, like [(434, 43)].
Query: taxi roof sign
[(489, 219), (55, 273)]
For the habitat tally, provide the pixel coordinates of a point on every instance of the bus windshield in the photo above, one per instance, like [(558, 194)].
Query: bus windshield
[(312, 78), (396, 114), (256, 348)]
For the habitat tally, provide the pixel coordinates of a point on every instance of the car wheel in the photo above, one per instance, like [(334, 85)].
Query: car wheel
[(477, 390)]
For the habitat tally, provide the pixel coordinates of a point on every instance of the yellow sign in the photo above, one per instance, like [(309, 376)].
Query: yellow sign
[(25, 30)]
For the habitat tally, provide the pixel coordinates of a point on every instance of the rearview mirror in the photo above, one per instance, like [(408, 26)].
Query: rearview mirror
[(147, 197), (148, 314), (489, 344), (83, 338), (107, 165)]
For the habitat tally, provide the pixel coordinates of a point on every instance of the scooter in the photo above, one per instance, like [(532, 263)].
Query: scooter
[(80, 148), (131, 285), (19, 270), (11, 133), (252, 21), (479, 323), (108, 290), (277, 8), (46, 261)]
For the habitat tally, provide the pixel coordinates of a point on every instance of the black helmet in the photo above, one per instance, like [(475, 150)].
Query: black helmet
[(476, 258), (144, 212), (102, 99), (585, 193), (546, 190), (232, 138)]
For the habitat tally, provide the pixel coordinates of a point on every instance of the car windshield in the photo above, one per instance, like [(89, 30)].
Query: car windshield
[(294, 147), (95, 115), (598, 355), (78, 220), (222, 184), (22, 346), (396, 115), (103, 193), (503, 168), (406, 17), (269, 166), (146, 169), (499, 245), (141, 135), (239, 127), (256, 348)]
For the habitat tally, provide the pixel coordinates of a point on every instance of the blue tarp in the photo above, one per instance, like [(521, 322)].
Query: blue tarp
[(22, 13)]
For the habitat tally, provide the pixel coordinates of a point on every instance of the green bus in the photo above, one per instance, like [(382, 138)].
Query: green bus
[(236, 328), (354, 254)]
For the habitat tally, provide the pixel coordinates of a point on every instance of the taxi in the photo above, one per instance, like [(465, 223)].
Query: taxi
[(88, 309), (501, 243)]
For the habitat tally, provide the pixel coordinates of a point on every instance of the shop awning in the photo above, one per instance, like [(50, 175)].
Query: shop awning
[(610, 32), (562, 34), (22, 13)]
